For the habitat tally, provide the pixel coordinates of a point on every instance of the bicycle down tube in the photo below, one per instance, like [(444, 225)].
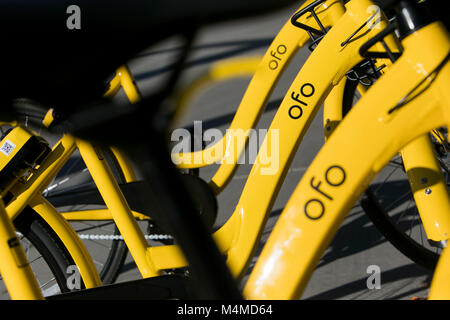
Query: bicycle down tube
[(168, 257), (239, 236)]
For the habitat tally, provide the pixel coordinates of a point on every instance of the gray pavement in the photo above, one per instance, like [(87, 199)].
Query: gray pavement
[(342, 272)]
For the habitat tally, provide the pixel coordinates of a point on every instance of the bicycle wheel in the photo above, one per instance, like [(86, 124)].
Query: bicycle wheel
[(390, 205), (47, 255)]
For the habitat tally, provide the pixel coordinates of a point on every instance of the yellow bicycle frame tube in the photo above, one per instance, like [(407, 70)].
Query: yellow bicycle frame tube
[(30, 192), (332, 108), (97, 215), (345, 166), (125, 80)]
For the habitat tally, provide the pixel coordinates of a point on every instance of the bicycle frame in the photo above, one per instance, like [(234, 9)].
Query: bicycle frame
[(343, 168)]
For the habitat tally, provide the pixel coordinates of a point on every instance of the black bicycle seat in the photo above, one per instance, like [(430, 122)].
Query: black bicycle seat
[(46, 61)]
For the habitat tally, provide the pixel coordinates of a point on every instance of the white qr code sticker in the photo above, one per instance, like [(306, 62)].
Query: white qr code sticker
[(7, 147)]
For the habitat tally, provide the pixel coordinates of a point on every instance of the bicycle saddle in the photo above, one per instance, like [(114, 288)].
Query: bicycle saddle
[(63, 68)]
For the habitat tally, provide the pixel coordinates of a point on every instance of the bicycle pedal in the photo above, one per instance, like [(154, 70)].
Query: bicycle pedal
[(157, 288)]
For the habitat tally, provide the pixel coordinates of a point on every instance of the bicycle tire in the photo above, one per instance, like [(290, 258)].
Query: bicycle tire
[(35, 232), (385, 224)]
